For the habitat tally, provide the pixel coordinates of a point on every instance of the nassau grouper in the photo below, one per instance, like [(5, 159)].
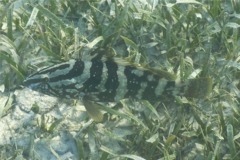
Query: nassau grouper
[(110, 80)]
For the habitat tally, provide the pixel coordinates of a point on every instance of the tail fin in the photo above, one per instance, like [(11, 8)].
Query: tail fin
[(198, 88)]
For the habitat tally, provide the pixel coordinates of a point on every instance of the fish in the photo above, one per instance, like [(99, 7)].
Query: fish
[(111, 80)]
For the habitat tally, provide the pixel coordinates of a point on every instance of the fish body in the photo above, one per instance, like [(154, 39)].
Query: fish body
[(110, 80)]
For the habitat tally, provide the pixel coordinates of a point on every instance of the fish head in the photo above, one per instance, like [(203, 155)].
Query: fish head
[(61, 80)]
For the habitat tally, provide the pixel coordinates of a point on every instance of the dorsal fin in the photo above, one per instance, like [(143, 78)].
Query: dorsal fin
[(161, 73)]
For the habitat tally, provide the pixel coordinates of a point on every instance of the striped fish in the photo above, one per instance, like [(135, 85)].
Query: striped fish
[(110, 80)]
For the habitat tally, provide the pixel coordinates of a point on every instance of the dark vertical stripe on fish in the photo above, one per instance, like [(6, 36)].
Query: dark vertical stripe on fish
[(133, 82), (149, 92), (95, 76), (169, 88), (112, 82)]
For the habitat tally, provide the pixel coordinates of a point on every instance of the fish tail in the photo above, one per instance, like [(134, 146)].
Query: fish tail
[(197, 88)]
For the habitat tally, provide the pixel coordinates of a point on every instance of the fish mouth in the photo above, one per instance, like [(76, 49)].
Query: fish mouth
[(28, 82), (33, 84)]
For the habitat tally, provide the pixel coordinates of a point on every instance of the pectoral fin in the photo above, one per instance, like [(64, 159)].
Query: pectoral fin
[(93, 109)]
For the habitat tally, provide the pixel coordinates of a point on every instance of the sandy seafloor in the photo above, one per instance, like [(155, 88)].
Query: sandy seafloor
[(20, 127), (26, 133)]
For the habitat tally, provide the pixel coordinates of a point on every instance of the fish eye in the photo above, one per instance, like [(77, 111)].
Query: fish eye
[(45, 79)]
